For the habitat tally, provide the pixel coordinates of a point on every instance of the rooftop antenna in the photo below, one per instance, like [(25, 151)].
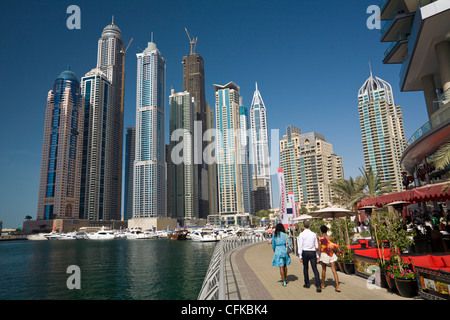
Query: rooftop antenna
[(112, 21), (193, 42), (370, 68), (152, 37)]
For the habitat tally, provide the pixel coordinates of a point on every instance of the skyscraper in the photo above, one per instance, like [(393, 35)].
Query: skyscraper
[(247, 185), (110, 60), (194, 83), (228, 149), (383, 134), (96, 188), (260, 144), (130, 146), (59, 188), (150, 162), (309, 167), (183, 182)]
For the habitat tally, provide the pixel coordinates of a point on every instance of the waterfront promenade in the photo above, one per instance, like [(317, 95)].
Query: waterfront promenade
[(250, 276)]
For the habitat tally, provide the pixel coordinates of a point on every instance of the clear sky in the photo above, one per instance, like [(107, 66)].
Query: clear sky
[(309, 58)]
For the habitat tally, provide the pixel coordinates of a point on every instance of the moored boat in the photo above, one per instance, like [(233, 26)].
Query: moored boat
[(101, 234), (177, 235)]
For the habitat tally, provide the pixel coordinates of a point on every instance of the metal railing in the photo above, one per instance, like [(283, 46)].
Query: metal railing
[(431, 124), (213, 287)]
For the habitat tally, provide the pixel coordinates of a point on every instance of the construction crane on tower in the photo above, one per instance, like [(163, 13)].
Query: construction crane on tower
[(193, 42)]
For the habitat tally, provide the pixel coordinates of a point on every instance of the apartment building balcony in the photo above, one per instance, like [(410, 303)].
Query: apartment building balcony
[(396, 52), (390, 8), (397, 28), (430, 27), (427, 139)]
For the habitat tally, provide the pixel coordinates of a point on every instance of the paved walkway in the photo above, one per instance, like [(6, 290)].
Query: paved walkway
[(251, 276)]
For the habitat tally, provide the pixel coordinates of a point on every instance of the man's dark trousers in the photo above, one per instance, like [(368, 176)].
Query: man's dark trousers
[(310, 256)]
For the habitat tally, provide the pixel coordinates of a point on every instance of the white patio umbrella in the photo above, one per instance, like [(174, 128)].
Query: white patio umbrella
[(332, 212), (303, 217)]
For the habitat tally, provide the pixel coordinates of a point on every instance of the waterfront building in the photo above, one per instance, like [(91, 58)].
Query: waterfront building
[(130, 146), (383, 134), (110, 60), (228, 152), (59, 187), (194, 83), (247, 183), (260, 195), (260, 144), (183, 180), (96, 188), (150, 161), (310, 166), (418, 32), (212, 165)]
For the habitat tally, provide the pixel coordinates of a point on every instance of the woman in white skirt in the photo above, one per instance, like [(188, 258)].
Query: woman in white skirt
[(328, 250)]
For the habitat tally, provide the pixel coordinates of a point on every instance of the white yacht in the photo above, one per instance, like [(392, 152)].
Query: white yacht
[(102, 234), (60, 236), (204, 236), (36, 237), (136, 233)]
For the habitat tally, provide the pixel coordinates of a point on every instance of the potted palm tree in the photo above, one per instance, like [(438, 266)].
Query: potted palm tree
[(391, 227)]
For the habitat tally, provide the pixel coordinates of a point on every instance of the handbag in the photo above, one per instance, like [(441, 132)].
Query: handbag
[(288, 247)]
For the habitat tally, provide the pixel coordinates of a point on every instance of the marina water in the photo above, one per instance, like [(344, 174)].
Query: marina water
[(119, 269)]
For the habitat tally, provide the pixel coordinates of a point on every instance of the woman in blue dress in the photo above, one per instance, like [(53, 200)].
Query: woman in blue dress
[(281, 258)]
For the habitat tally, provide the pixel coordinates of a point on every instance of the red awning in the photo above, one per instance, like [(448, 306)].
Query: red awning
[(431, 192)]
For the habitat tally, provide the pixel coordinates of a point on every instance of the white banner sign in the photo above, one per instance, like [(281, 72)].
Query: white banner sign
[(283, 214)]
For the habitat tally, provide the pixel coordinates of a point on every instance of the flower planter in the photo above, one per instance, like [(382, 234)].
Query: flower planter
[(390, 283), (380, 279), (349, 267), (407, 287)]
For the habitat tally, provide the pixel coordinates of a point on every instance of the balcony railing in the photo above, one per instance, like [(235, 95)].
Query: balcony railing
[(433, 123), (442, 100)]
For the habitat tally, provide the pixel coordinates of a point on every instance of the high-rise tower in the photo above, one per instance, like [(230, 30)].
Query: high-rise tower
[(59, 188), (150, 162), (383, 134), (260, 145), (110, 60), (130, 147), (194, 83), (183, 192), (228, 150), (96, 188), (245, 159), (309, 167)]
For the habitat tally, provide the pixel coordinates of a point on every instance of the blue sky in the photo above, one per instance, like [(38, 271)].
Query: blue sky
[(309, 58)]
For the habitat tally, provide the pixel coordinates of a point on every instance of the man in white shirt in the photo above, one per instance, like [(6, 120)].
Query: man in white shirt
[(308, 250)]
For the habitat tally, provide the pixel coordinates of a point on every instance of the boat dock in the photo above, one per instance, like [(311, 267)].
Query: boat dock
[(248, 274)]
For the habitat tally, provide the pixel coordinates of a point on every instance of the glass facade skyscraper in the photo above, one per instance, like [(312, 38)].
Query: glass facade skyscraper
[(383, 134), (260, 145), (96, 161), (228, 150), (59, 188), (110, 60), (183, 178), (150, 162), (130, 146), (247, 185)]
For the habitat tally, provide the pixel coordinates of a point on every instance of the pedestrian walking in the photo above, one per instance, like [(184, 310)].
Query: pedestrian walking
[(328, 250), (308, 252), (281, 258)]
